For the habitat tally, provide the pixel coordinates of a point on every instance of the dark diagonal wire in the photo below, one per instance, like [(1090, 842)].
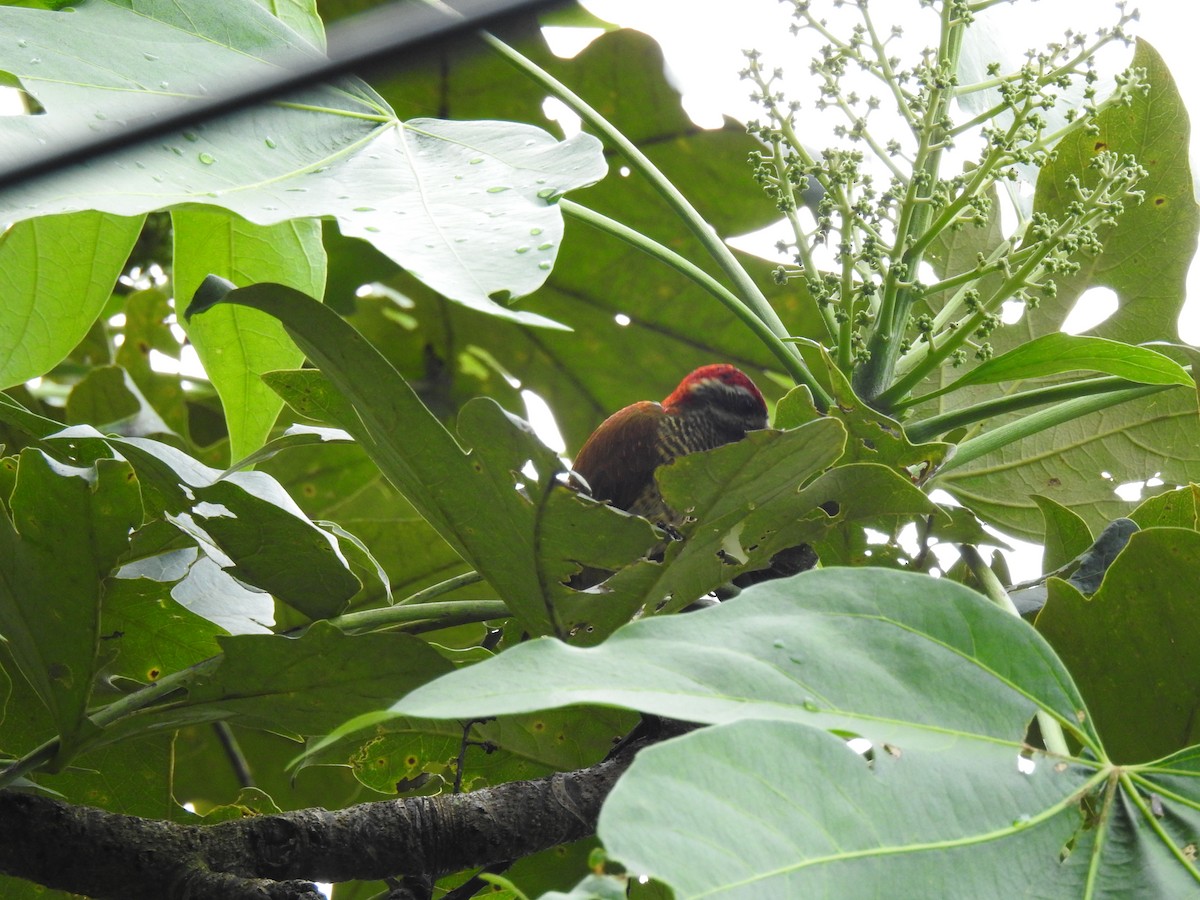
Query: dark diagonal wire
[(367, 41)]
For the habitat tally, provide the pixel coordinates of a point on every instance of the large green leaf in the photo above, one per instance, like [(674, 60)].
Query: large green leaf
[(56, 274), (795, 813), (942, 683), (466, 206), (237, 345), (796, 649)]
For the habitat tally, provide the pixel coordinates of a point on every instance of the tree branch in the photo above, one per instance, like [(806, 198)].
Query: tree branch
[(103, 854)]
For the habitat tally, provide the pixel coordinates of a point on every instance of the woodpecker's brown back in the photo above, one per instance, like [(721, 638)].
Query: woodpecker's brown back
[(712, 406)]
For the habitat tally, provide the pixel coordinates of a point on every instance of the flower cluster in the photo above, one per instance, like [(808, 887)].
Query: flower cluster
[(872, 213)]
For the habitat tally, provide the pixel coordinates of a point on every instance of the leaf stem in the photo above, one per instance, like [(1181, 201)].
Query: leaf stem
[(442, 587), (783, 352), (1052, 733), (1068, 411), (928, 429), (703, 231), (418, 615)]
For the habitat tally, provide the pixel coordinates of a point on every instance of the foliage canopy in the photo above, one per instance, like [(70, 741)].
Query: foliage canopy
[(338, 567)]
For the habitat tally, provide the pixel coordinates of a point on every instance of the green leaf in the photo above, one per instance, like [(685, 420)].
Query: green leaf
[(237, 345), (874, 437), (1065, 536), (301, 16), (468, 207), (858, 653), (594, 887), (108, 397), (1054, 353), (295, 436), (214, 594), (68, 528), (56, 274), (149, 633), (204, 777), (907, 823), (796, 649), (248, 525), (1137, 687), (148, 319), (1179, 508), (517, 748)]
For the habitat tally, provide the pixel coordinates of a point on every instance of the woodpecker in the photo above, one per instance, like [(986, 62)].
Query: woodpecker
[(714, 405)]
